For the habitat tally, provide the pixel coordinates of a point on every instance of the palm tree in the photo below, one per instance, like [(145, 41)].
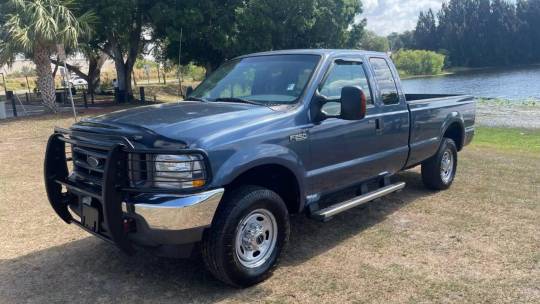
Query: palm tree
[(34, 28)]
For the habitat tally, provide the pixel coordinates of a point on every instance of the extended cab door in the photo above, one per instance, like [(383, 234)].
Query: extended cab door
[(391, 117), (341, 151)]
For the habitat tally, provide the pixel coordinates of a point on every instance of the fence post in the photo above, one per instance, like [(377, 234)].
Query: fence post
[(9, 96), (92, 96), (141, 93), (84, 98), (27, 98)]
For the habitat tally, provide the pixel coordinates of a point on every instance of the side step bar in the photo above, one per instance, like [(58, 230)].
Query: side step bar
[(327, 213)]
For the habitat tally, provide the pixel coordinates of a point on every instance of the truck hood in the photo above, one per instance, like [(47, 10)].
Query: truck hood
[(184, 121)]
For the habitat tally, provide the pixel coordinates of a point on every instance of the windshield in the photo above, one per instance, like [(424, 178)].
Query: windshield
[(267, 80)]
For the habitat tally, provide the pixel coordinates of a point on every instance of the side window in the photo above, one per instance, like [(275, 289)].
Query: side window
[(343, 74), (385, 80)]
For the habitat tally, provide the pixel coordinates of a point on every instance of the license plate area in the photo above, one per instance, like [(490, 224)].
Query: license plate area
[(90, 218)]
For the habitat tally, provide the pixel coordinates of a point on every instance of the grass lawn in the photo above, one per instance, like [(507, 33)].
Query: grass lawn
[(478, 242), (518, 140)]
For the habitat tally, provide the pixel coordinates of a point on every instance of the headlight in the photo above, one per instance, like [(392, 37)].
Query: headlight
[(179, 171)]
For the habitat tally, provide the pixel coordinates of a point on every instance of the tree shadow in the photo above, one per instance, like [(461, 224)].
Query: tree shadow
[(90, 270)]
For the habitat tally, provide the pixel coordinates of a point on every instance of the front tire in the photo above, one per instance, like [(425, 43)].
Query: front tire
[(248, 233), (439, 171)]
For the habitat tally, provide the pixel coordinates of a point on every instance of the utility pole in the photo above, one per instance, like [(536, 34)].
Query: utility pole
[(62, 56)]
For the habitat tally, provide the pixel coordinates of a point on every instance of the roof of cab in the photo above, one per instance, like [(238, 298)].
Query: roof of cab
[(322, 52)]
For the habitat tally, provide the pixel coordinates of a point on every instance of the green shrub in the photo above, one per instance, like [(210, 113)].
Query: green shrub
[(193, 71), (418, 62)]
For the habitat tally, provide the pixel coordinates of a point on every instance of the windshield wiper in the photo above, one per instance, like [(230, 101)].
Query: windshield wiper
[(239, 100)]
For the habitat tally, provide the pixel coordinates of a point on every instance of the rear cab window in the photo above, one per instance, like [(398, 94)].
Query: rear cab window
[(385, 81)]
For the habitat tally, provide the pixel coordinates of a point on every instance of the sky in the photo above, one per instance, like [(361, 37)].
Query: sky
[(387, 16)]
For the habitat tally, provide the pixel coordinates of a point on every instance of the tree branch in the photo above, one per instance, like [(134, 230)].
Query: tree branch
[(72, 68)]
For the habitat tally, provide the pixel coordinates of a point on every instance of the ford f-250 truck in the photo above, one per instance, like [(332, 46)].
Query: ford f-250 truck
[(265, 136)]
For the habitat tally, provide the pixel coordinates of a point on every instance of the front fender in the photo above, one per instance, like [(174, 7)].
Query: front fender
[(264, 154)]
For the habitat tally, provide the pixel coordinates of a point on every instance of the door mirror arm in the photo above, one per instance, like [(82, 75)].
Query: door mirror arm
[(317, 104)]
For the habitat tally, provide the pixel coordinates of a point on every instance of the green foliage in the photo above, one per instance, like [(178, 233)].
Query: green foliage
[(483, 32), (216, 30), (194, 72), (530, 102), (426, 29), (400, 41), (25, 24), (418, 62), (140, 63), (373, 42)]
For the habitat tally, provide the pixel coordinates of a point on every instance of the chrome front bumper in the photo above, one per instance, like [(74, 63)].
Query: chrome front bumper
[(174, 212)]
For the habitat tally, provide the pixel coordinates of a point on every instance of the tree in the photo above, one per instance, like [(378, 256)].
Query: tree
[(215, 30), (122, 31), (96, 59), (35, 28), (425, 33), (401, 41), (373, 42), (483, 32)]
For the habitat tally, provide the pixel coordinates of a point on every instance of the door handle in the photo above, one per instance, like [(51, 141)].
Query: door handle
[(378, 125)]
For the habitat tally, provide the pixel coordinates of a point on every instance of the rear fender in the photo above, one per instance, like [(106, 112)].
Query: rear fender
[(451, 118)]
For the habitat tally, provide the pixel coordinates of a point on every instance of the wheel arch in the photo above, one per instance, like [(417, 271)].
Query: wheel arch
[(454, 129), (274, 176)]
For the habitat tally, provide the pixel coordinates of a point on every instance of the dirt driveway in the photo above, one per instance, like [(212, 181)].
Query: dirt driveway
[(478, 242)]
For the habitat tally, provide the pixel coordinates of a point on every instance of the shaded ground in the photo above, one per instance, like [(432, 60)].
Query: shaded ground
[(478, 242)]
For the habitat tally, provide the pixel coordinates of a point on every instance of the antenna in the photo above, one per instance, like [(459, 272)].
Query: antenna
[(180, 91)]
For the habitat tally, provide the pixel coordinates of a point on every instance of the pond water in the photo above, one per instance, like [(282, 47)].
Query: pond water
[(515, 83)]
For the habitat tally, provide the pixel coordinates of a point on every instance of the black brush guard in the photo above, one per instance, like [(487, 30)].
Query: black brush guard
[(110, 198), (115, 185)]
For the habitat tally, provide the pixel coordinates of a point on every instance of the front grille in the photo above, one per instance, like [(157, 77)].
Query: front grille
[(87, 161), (88, 165)]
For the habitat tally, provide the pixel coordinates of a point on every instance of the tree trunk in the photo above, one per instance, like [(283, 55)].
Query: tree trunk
[(45, 79), (209, 68), (129, 51), (164, 74), (95, 63)]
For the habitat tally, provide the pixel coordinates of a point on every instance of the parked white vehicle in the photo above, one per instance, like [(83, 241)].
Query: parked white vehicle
[(77, 81)]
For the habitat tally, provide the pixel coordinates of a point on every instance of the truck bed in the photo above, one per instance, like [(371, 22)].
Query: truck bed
[(430, 114)]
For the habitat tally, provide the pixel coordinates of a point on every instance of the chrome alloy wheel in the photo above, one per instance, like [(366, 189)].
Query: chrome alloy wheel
[(256, 237), (447, 166)]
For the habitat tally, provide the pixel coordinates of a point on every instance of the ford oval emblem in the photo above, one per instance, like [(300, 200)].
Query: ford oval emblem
[(92, 161)]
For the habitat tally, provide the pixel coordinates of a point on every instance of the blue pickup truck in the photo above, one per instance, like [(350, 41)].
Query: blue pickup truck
[(265, 136)]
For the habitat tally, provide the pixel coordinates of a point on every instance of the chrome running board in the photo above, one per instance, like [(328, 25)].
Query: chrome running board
[(327, 213)]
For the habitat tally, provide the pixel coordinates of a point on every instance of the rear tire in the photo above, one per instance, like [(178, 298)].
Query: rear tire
[(439, 171), (248, 233)]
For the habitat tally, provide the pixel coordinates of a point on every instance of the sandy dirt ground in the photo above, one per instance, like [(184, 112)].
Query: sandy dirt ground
[(478, 242)]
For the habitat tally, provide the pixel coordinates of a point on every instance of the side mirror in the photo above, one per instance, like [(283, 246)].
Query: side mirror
[(189, 90), (353, 103)]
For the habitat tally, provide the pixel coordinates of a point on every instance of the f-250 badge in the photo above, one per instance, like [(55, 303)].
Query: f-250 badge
[(299, 137)]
